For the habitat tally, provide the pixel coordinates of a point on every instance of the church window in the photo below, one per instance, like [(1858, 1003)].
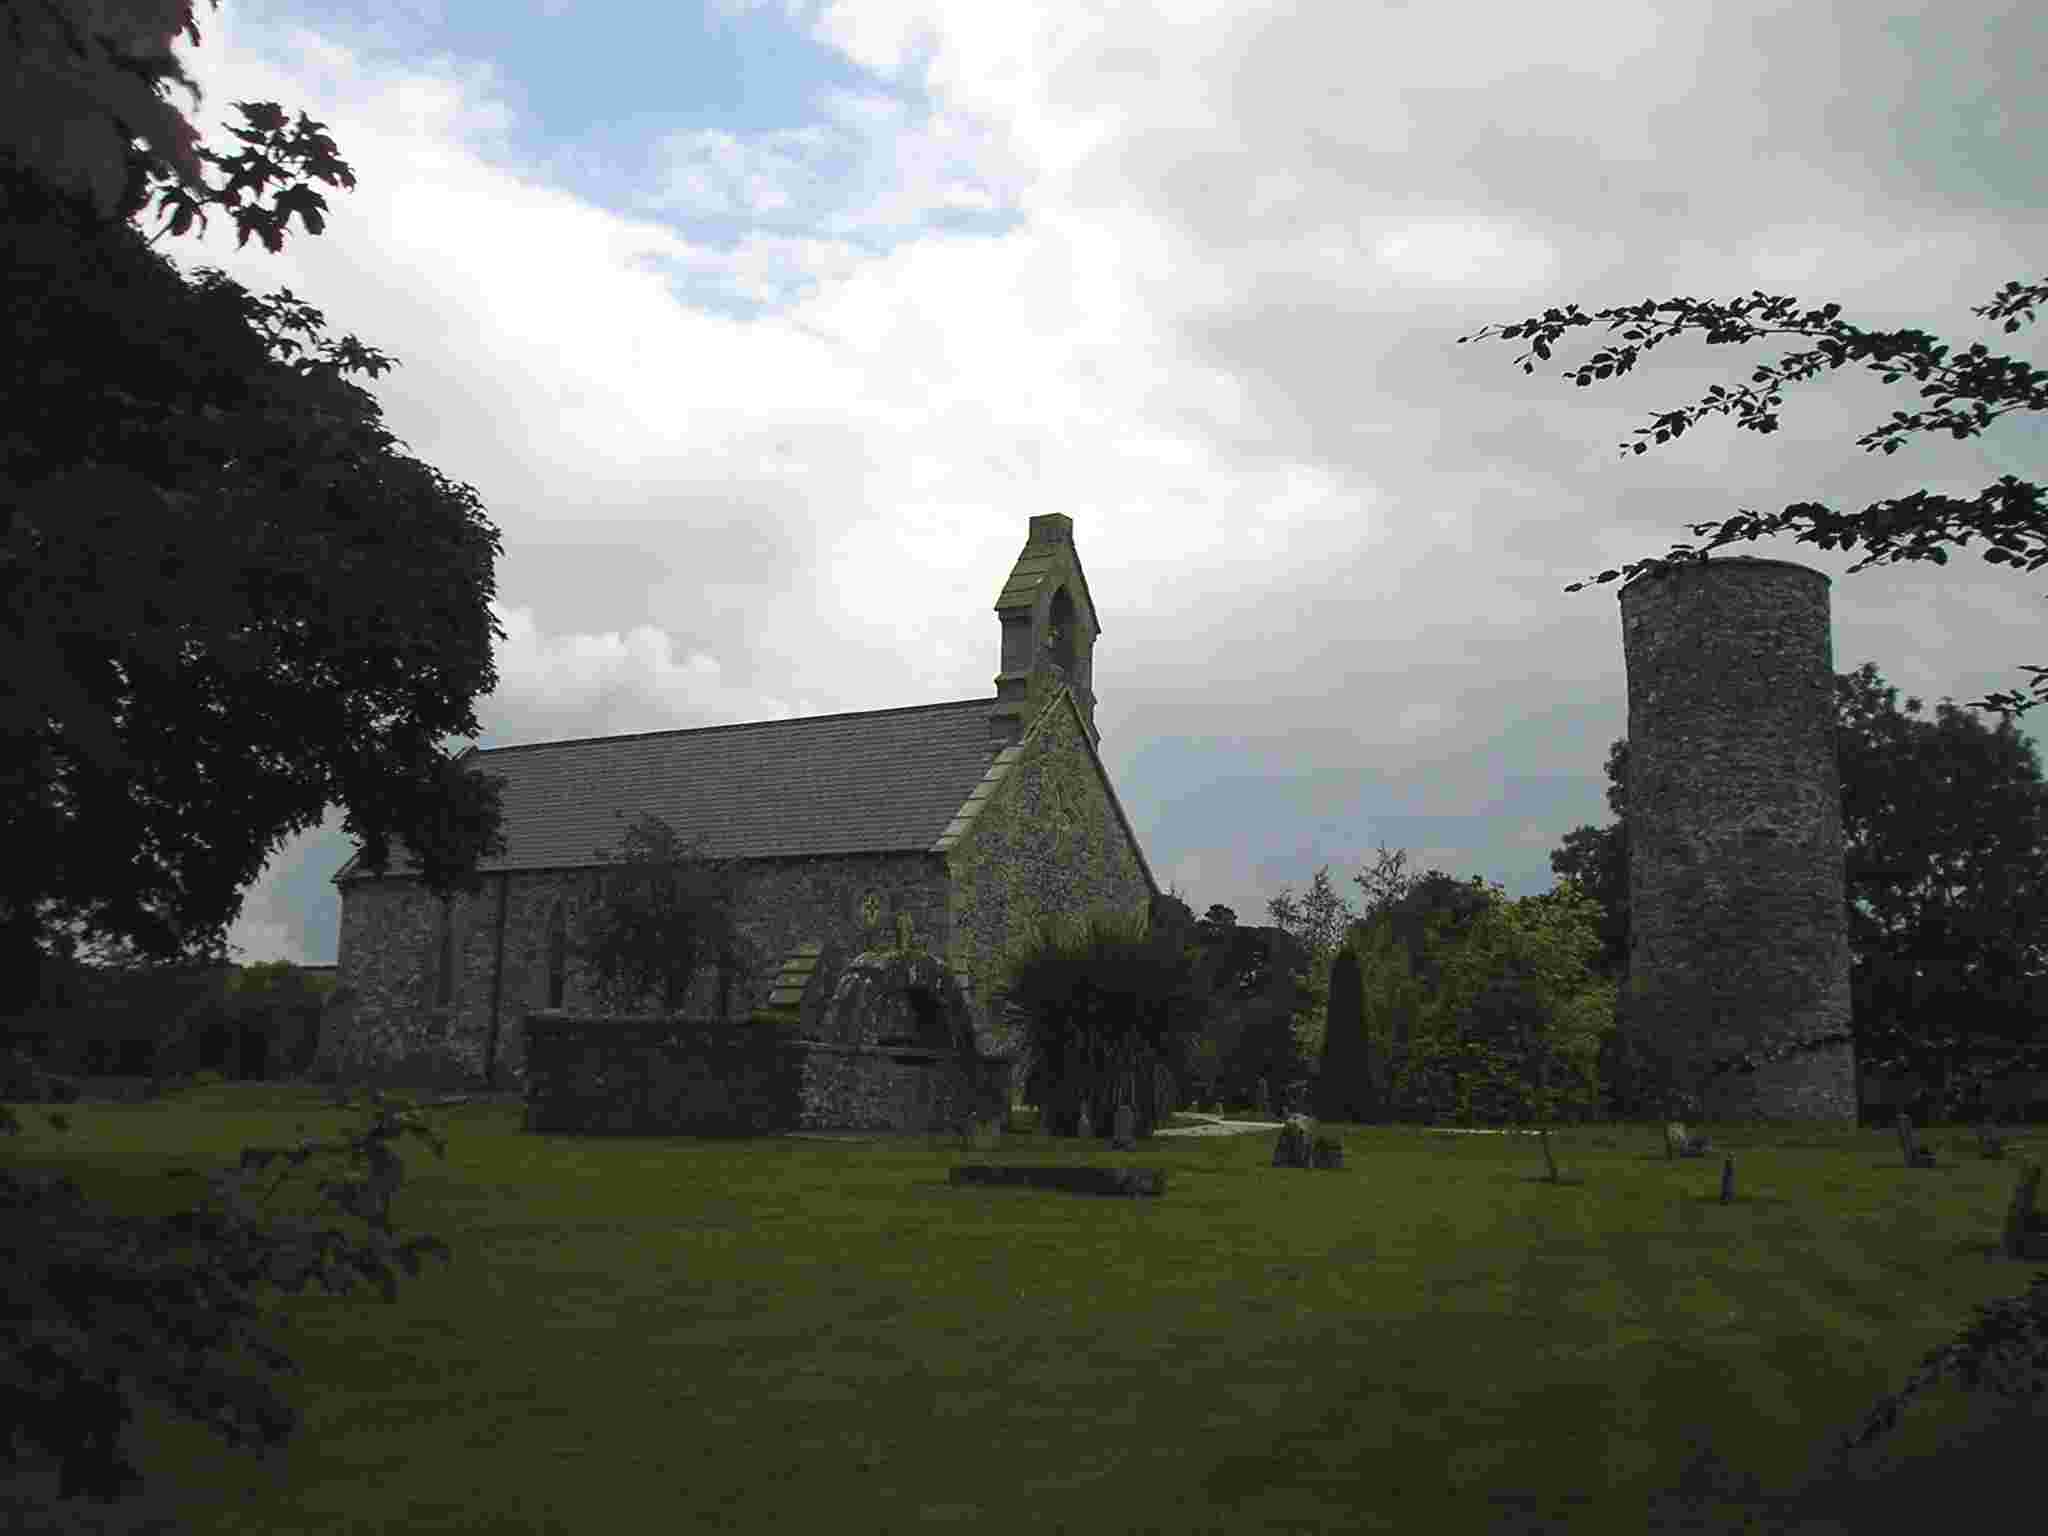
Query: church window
[(1059, 634)]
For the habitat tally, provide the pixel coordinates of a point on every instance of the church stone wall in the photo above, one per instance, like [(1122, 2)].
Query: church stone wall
[(390, 943), (1046, 840)]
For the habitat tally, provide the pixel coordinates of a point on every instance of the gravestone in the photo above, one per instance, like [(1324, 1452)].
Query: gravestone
[(1677, 1143), (1087, 1127), (1125, 1136), (1163, 1090), (1293, 1149), (1916, 1155), (1989, 1143), (1727, 1179), (1260, 1102), (2026, 1231), (1327, 1151)]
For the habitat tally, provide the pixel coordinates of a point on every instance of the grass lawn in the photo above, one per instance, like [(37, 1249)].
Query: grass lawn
[(670, 1335)]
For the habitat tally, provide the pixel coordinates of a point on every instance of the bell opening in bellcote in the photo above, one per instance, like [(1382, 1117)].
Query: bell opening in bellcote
[(1049, 629)]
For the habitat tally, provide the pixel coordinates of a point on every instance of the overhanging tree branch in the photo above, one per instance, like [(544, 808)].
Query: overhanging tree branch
[(2009, 514)]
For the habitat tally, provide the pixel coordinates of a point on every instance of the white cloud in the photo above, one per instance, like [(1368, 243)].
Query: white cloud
[(764, 442)]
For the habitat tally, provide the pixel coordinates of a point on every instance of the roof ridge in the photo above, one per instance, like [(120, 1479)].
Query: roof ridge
[(986, 702)]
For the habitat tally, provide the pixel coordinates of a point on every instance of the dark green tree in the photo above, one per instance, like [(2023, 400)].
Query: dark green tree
[(1945, 826), (1597, 859), (1271, 1044), (2009, 513), (1507, 1019), (264, 610), (661, 914), (1345, 1086), (225, 604), (1319, 923), (1255, 999), (1435, 909), (1105, 999)]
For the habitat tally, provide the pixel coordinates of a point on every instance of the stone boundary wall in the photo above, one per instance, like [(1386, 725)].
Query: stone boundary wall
[(896, 1088), (646, 1076), (1737, 927), (651, 1076)]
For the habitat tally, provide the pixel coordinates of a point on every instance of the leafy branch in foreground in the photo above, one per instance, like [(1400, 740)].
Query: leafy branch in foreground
[(2008, 513), (105, 1306)]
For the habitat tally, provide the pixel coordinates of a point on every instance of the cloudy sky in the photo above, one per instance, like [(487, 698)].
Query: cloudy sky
[(762, 329)]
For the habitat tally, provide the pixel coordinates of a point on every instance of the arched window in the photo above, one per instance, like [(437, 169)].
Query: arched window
[(444, 989), (1060, 637), (558, 955)]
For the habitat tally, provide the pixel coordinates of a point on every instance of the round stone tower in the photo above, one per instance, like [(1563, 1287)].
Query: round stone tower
[(1737, 931)]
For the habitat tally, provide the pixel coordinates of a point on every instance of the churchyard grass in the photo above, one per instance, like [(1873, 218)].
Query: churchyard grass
[(676, 1335)]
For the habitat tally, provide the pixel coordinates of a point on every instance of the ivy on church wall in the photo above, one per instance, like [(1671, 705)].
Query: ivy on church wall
[(1047, 841)]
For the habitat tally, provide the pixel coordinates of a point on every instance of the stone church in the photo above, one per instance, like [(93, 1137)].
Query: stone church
[(957, 823)]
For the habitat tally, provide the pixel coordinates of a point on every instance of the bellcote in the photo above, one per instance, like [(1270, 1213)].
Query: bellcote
[(1049, 629)]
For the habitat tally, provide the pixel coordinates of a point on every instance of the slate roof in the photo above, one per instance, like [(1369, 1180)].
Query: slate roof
[(879, 781)]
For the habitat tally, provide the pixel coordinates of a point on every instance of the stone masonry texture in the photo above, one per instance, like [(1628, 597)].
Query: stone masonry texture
[(1737, 933)]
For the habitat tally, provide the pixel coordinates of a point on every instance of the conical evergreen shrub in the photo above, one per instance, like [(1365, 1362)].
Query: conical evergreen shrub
[(1344, 1087)]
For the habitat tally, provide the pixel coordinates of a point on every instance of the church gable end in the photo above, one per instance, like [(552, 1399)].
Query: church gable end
[(1046, 836)]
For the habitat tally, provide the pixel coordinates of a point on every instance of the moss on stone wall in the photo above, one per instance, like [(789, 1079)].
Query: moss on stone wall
[(1047, 842)]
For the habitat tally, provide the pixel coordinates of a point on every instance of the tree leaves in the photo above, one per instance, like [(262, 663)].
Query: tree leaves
[(2007, 514), (264, 610), (661, 914)]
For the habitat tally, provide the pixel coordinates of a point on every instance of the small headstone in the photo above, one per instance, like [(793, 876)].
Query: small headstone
[(1087, 1128), (1727, 1178), (1917, 1156), (1293, 1149), (1260, 1102), (1678, 1143), (1327, 1151), (1990, 1143), (1125, 1136), (2025, 1237), (1164, 1095)]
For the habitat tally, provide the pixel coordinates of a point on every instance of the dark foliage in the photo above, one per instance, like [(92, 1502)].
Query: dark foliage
[(662, 912), (304, 609), (1106, 1002), (226, 604), (113, 1306), (1345, 1089)]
